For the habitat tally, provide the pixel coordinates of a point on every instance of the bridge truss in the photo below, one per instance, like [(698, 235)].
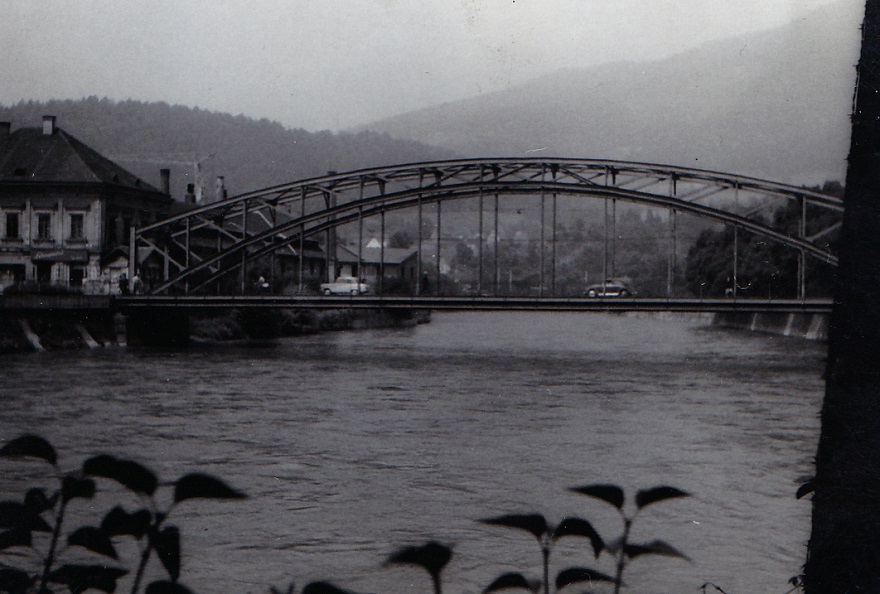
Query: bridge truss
[(261, 223)]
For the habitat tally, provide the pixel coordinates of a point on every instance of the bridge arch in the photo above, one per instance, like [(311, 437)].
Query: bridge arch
[(288, 213)]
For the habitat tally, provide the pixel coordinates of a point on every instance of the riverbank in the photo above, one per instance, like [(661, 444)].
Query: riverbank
[(241, 324), (54, 332), (58, 332), (21, 333)]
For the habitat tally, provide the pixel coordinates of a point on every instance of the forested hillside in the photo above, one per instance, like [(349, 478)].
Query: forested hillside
[(773, 104), (250, 154)]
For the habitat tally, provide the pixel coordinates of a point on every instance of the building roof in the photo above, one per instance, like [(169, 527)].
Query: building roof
[(121, 253), (373, 255), (258, 223), (30, 155)]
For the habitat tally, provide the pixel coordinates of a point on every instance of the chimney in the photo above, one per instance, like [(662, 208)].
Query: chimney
[(220, 191), (5, 127), (165, 174), (48, 125)]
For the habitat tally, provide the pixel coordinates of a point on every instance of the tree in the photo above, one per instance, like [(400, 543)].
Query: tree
[(764, 268), (844, 550), (400, 239)]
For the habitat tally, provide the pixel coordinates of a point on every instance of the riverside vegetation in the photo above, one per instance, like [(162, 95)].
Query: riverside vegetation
[(40, 554)]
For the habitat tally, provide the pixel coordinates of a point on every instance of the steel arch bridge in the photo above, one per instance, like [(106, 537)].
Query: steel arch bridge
[(255, 224)]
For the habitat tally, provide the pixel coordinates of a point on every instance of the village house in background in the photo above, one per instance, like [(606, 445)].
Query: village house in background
[(66, 211), (398, 273)]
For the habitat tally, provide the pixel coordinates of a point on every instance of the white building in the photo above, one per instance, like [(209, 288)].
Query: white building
[(64, 207)]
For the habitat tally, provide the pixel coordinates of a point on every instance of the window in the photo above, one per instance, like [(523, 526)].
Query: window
[(76, 276), (12, 231), (44, 272), (44, 225), (77, 226)]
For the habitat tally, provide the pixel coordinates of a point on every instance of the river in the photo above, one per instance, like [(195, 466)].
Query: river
[(353, 444)]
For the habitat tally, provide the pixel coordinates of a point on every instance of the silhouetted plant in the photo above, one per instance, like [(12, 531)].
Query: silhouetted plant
[(622, 547), (547, 536), (808, 485), (513, 580), (797, 583), (432, 557), (21, 520), (313, 588)]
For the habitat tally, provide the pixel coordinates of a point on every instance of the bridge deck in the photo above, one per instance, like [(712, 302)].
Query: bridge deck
[(477, 303)]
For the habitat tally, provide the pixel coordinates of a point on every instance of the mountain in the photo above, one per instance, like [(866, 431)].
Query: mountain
[(250, 154), (773, 104)]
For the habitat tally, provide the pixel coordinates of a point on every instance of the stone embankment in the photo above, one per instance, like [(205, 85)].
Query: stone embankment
[(39, 331), (51, 331), (801, 325)]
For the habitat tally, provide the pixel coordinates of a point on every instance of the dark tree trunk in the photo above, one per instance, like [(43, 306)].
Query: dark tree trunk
[(844, 550)]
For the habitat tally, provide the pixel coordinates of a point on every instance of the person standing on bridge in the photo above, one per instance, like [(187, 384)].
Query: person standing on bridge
[(123, 284), (137, 285)]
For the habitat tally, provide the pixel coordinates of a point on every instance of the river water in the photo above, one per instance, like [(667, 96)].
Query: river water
[(353, 444)]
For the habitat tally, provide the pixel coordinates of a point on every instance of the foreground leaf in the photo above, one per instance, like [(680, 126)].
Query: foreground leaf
[(608, 493), (656, 547), (166, 587), (32, 446), (534, 523), (578, 575), (432, 556), (72, 488), (36, 500), (579, 527), (93, 539), (805, 489), (167, 545), (79, 578), (118, 522), (323, 588), (512, 580), (17, 537), (203, 486), (131, 475), (15, 581), (18, 515), (649, 496)]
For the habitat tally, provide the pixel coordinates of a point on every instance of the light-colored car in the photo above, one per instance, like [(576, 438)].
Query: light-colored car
[(612, 287), (345, 285)]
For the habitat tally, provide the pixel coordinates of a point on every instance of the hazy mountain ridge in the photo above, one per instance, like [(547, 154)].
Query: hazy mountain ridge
[(772, 104), (250, 154)]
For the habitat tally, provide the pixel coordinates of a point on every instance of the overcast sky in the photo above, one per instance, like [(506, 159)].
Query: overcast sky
[(332, 64)]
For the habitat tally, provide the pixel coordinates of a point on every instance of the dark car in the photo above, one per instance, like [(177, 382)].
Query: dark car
[(612, 287)]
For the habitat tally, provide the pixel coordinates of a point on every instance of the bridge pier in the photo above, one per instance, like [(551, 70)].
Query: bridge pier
[(162, 327)]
